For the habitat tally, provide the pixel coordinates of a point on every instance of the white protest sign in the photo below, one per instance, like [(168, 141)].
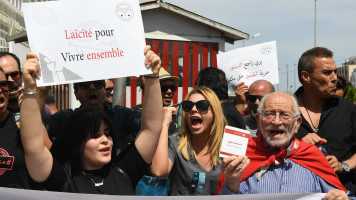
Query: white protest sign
[(234, 142), (85, 40), (249, 64)]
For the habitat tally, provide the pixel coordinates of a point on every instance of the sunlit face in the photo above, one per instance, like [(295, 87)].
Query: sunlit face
[(323, 79), (91, 98), (97, 151), (109, 89), (9, 64), (259, 89), (4, 96), (278, 134), (167, 96), (199, 122)]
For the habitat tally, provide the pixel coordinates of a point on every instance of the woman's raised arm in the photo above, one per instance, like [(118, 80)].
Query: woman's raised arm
[(38, 159), (152, 114), (161, 164)]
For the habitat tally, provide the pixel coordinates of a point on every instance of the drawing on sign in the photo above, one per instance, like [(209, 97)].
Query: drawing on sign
[(51, 72), (124, 12)]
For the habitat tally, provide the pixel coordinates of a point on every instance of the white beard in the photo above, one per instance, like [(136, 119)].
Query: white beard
[(279, 143)]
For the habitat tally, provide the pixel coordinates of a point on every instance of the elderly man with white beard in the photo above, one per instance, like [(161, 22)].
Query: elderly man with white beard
[(277, 161)]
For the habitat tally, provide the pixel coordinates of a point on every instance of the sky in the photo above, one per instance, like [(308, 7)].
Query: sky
[(290, 23)]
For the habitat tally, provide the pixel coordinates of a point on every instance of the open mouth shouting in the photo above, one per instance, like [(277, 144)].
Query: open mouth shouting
[(93, 98), (2, 102)]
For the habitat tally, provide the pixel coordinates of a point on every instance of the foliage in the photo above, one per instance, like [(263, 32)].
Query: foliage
[(351, 93)]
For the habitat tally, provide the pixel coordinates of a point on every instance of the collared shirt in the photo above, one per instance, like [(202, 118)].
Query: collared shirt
[(288, 177), (338, 126)]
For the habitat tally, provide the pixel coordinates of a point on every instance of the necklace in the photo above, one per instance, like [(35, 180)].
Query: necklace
[(315, 128), (92, 180)]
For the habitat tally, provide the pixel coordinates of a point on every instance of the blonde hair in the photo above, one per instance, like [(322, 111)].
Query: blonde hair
[(217, 128)]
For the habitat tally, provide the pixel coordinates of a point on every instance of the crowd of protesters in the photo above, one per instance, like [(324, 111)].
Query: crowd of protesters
[(301, 143)]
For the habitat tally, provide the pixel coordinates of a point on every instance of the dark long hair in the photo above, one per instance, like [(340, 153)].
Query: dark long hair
[(82, 124), (214, 79)]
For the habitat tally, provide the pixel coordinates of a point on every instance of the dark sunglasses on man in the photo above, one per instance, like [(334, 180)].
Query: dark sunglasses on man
[(5, 86), (164, 88), (202, 105), (109, 89), (14, 75), (253, 98), (97, 84)]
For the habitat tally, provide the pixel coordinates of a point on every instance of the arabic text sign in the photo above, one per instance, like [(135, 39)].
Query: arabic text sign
[(249, 64), (234, 142), (85, 40)]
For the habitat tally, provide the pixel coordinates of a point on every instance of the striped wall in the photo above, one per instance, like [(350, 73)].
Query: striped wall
[(180, 58)]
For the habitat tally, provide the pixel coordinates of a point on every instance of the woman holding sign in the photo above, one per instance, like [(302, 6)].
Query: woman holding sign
[(81, 159), (191, 159)]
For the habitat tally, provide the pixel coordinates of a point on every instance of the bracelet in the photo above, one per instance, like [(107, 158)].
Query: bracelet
[(29, 93), (151, 76)]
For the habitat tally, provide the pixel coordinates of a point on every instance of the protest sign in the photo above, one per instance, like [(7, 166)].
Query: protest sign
[(234, 142), (85, 40), (249, 64)]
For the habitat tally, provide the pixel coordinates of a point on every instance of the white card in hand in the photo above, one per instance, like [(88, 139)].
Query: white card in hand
[(234, 142)]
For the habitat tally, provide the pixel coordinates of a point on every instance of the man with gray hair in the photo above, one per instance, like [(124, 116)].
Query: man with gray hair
[(252, 97), (279, 162)]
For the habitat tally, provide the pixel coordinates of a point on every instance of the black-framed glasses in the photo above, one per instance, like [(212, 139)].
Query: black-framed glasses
[(109, 89), (202, 105), (5, 86), (86, 85), (253, 98), (164, 88), (14, 75)]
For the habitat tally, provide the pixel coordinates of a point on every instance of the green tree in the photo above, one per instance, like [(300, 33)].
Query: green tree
[(351, 93)]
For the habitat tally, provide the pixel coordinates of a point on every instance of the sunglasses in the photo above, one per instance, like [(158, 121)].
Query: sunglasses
[(253, 98), (14, 75), (86, 85), (109, 89), (164, 88), (5, 86), (202, 105)]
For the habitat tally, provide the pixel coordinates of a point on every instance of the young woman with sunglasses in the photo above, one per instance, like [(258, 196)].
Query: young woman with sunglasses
[(191, 159), (82, 159)]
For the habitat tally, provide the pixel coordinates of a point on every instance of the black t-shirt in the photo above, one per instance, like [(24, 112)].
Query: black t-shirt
[(117, 178), (13, 171)]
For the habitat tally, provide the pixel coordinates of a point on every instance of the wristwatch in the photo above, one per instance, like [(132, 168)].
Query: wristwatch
[(345, 168)]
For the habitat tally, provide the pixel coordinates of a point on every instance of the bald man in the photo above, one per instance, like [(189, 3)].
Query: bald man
[(255, 92)]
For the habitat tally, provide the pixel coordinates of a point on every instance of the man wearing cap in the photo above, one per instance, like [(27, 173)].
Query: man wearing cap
[(169, 85)]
